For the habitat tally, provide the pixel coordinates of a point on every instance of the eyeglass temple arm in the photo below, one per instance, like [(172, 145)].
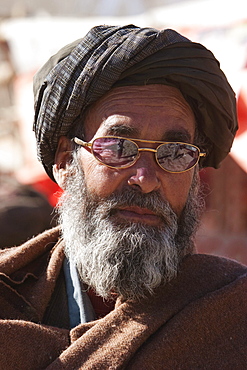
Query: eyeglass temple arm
[(81, 142)]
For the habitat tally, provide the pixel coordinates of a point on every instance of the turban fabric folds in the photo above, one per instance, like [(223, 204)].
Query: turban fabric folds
[(110, 56)]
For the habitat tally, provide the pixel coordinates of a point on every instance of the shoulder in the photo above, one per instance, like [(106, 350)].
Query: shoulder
[(203, 317), (201, 275), (209, 267), (13, 258)]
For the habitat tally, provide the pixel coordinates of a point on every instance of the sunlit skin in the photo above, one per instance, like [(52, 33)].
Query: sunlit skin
[(152, 112)]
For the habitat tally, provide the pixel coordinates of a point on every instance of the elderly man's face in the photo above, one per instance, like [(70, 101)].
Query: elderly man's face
[(152, 112), (128, 229)]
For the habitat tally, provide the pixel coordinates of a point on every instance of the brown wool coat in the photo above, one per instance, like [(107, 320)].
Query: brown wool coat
[(198, 321)]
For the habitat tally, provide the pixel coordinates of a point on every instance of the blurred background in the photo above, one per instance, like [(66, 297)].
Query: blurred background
[(32, 30)]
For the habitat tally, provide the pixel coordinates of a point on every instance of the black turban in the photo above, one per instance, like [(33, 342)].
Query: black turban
[(109, 56)]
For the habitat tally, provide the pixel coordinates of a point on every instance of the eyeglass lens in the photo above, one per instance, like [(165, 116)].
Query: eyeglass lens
[(118, 152), (177, 157)]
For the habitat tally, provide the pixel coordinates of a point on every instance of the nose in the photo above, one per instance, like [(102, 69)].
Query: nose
[(145, 174)]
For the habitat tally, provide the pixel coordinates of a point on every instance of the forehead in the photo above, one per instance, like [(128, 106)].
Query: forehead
[(138, 110)]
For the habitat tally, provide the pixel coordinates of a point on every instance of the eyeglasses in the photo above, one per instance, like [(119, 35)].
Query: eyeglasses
[(120, 152)]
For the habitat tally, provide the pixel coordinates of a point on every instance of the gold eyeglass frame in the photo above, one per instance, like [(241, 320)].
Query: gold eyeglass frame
[(89, 145)]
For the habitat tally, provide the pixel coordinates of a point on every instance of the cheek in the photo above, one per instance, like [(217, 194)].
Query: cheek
[(100, 180), (177, 190)]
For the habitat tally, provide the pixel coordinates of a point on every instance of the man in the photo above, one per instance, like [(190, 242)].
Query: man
[(124, 119)]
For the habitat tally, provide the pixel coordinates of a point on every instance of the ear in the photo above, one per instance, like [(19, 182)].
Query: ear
[(62, 160)]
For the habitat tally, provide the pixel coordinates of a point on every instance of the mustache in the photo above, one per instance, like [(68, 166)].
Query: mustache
[(130, 197)]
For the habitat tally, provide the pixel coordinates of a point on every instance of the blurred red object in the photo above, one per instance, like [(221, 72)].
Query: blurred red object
[(49, 189)]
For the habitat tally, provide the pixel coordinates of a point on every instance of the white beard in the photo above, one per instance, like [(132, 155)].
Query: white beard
[(129, 259)]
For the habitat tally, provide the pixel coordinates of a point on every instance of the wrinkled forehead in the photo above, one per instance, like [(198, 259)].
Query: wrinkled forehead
[(138, 104)]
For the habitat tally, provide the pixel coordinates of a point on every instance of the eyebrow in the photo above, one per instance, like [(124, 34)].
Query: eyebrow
[(130, 132), (177, 135), (122, 130)]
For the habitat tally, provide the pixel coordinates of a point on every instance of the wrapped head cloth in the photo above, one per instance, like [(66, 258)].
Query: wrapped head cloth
[(109, 56)]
